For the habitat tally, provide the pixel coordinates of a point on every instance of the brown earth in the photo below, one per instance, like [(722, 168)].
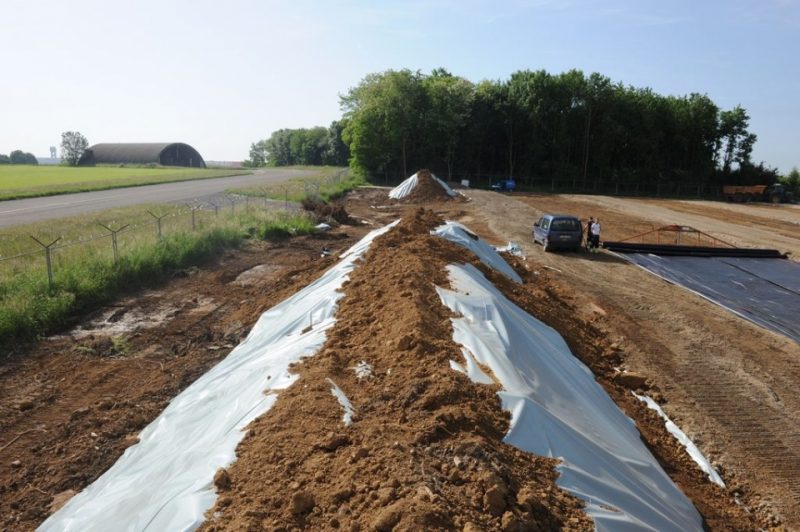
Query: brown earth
[(70, 405), (729, 384), (427, 189), (425, 451), (726, 382)]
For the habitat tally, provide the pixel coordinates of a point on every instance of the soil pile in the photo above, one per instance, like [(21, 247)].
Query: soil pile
[(425, 447), (327, 212), (71, 405), (426, 190)]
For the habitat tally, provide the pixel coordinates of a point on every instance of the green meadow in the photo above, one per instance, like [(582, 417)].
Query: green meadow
[(25, 181)]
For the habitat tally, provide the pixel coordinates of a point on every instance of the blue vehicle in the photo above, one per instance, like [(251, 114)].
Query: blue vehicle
[(506, 185), (558, 231)]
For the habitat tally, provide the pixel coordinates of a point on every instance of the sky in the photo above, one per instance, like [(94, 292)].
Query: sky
[(220, 75)]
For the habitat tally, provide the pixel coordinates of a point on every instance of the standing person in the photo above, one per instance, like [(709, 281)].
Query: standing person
[(596, 235), (589, 233)]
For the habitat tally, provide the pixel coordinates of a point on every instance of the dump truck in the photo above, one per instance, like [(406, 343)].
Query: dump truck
[(741, 193)]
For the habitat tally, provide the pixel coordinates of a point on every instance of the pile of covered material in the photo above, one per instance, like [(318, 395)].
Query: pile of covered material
[(420, 187), (393, 414)]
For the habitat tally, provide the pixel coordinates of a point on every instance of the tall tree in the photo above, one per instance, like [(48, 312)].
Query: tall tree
[(735, 143), (73, 144), (258, 155), (449, 105), (384, 117)]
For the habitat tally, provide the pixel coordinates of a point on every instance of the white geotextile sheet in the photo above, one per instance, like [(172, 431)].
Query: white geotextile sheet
[(165, 482), (404, 189), (458, 234), (691, 449), (558, 410)]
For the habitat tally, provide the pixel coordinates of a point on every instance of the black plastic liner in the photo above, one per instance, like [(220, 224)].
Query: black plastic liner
[(764, 291), (692, 251)]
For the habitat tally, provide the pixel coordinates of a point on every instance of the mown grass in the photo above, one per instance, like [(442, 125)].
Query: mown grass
[(328, 183), (85, 274), (25, 181)]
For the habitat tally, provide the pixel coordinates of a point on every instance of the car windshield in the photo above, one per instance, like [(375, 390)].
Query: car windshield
[(565, 224)]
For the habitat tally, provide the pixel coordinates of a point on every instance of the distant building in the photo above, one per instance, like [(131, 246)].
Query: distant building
[(162, 153)]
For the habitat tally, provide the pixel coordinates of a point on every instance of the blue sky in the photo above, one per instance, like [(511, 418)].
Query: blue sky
[(220, 75)]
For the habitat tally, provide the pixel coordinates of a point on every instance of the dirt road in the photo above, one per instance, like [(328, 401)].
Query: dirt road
[(730, 384)]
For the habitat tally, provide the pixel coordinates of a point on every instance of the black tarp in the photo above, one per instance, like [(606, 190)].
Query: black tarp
[(765, 291)]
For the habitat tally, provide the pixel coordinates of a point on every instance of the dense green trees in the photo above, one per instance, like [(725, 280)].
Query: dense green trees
[(568, 131), (22, 157), (792, 182), (315, 146)]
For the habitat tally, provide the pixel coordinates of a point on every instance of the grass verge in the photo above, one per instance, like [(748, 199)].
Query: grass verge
[(86, 275), (27, 181), (328, 183)]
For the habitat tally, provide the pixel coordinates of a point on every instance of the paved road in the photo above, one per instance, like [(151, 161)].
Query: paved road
[(17, 212)]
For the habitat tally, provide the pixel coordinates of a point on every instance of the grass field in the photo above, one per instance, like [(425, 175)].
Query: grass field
[(85, 273), (329, 182), (25, 181)]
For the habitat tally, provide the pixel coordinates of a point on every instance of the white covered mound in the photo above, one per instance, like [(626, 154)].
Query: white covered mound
[(406, 187), (165, 482), (558, 410)]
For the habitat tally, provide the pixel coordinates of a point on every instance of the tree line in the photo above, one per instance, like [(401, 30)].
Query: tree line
[(571, 128), (73, 144), (312, 147), (18, 157)]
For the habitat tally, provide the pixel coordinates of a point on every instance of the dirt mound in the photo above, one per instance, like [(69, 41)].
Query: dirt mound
[(327, 212), (426, 190), (425, 449), (71, 405)]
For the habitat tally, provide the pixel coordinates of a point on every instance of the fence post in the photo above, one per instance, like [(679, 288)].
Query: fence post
[(192, 209), (216, 207), (233, 204), (158, 222), (265, 192), (114, 238), (47, 258)]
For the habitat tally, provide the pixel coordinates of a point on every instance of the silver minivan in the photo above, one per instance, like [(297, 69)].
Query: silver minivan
[(558, 231)]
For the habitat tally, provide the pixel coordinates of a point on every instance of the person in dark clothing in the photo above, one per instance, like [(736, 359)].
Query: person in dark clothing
[(589, 233)]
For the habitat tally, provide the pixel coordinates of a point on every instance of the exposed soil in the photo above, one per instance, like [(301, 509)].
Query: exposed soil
[(70, 405), (729, 384), (328, 212), (426, 190), (424, 451)]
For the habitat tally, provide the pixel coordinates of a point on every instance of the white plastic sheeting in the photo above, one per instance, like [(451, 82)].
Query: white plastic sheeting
[(458, 234), (511, 247), (559, 410), (404, 189), (363, 370), (344, 402), (165, 481), (688, 444)]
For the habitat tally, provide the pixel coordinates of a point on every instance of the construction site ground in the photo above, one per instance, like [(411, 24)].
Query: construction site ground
[(71, 404)]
